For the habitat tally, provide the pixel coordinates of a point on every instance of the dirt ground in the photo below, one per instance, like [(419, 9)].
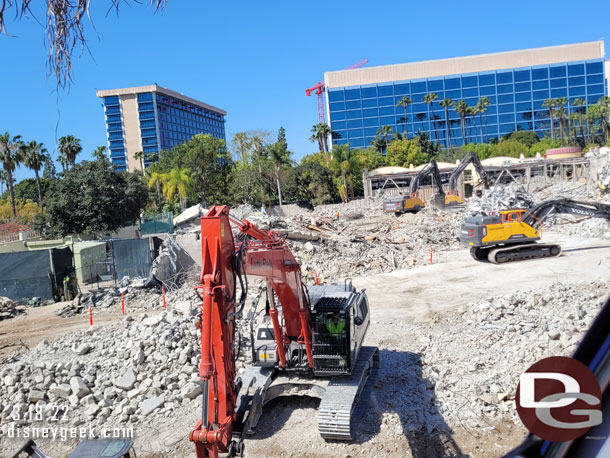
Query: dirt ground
[(288, 426)]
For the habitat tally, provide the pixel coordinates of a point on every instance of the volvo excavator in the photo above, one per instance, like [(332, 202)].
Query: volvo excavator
[(306, 340), (512, 235), (452, 197), (412, 202)]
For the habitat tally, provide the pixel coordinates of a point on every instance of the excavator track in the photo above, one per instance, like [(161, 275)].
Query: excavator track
[(522, 252), (341, 397)]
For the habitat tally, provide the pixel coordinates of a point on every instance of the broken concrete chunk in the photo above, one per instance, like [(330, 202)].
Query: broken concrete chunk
[(191, 390), (151, 404), (79, 388), (127, 380)]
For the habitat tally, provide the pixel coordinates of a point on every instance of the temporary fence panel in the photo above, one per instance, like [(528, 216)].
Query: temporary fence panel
[(157, 224), (88, 261), (27, 274), (132, 258)]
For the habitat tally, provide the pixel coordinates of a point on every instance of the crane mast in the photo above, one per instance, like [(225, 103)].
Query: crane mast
[(319, 88)]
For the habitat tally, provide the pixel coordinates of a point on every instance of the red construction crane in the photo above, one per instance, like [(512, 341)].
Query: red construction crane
[(319, 89)]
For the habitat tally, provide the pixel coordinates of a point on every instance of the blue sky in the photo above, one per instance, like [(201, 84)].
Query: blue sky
[(255, 59)]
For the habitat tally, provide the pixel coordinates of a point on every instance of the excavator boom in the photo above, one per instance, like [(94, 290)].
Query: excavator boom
[(470, 158)]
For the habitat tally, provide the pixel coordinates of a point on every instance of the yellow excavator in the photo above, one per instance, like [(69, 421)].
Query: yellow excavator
[(452, 197), (413, 203), (512, 235)]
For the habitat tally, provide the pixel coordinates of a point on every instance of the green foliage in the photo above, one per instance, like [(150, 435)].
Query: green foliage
[(527, 137), (28, 190), (371, 159), (246, 187), (345, 164), (542, 146), (92, 198), (312, 182), (49, 170), (427, 147), (209, 166), (11, 155), (403, 153), (320, 133), (510, 148), (482, 150), (69, 147)]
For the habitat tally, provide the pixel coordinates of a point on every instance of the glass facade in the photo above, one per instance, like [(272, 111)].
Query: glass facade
[(516, 96), (114, 129), (164, 122)]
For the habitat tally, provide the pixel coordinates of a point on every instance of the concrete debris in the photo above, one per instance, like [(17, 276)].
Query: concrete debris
[(132, 371), (9, 308), (466, 352), (361, 240), (500, 197), (170, 266), (599, 168), (151, 404)]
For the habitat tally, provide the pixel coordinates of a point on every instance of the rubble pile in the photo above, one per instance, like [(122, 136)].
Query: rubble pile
[(474, 355), (569, 190), (371, 241), (498, 198), (9, 309), (114, 375)]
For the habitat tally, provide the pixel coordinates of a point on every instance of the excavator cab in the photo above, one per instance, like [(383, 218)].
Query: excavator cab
[(340, 316)]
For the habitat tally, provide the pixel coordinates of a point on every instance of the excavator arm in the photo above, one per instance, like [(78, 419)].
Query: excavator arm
[(470, 158), (536, 215), (431, 169), (261, 254)]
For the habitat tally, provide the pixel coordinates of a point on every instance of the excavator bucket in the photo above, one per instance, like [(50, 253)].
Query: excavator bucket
[(437, 201)]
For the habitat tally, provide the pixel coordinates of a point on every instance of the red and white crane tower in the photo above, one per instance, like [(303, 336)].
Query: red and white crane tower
[(319, 89)]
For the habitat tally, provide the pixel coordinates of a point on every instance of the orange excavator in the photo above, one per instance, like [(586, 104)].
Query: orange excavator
[(308, 342)]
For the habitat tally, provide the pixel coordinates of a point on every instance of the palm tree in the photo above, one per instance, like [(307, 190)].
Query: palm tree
[(573, 121), (11, 157), (482, 105), (461, 108), (580, 104), (429, 99), (382, 138), (156, 180), (280, 157), (34, 155), (99, 153), (176, 180), (405, 102), (69, 147), (604, 110), (2, 181), (592, 115), (550, 104), (140, 155), (446, 104), (320, 132), (561, 102), (344, 162)]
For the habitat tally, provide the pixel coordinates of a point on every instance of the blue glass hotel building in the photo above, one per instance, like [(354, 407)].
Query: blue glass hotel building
[(152, 118), (517, 83)]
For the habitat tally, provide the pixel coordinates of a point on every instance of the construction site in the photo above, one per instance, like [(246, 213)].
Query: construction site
[(425, 328)]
